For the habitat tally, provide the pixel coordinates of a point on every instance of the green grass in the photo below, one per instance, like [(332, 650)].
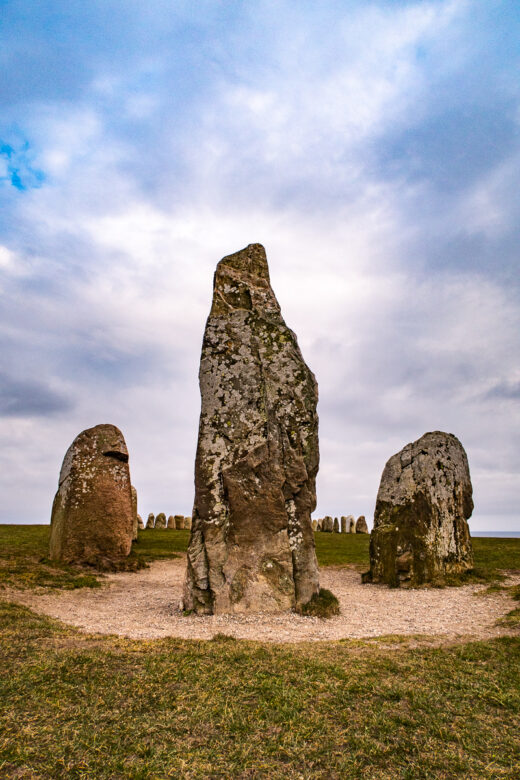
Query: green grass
[(24, 550), (77, 706), (323, 604)]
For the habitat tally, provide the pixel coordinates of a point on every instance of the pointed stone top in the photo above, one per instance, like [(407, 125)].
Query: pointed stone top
[(252, 260)]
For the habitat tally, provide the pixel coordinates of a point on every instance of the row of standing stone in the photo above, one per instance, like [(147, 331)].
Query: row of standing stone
[(345, 525), (175, 522)]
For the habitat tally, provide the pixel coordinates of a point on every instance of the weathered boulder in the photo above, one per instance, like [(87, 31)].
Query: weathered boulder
[(336, 525), (171, 522), (92, 516), (327, 525), (134, 513), (140, 523), (343, 524), (361, 525), (420, 531), (252, 546), (151, 520), (179, 522), (351, 524), (160, 520), (187, 523)]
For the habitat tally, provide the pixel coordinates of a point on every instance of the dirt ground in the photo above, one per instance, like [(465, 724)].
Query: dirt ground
[(145, 604)]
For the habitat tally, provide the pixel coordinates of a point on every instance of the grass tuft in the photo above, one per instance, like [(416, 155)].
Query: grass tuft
[(323, 604)]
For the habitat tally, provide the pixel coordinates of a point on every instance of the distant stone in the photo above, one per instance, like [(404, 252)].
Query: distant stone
[(420, 531), (361, 525), (179, 522), (171, 522), (343, 525), (320, 525), (314, 525), (336, 525), (252, 547), (92, 516), (134, 513), (351, 524), (328, 524), (151, 520), (140, 523), (187, 523), (160, 520)]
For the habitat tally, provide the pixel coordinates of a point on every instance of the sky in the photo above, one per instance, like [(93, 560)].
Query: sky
[(372, 147)]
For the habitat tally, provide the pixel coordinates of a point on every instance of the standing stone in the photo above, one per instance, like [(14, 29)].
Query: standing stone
[(328, 524), (140, 523), (320, 525), (187, 523), (361, 525), (351, 524), (179, 522), (171, 522), (344, 524), (151, 520), (336, 525), (420, 531), (134, 513), (160, 520), (252, 546), (314, 525), (92, 514)]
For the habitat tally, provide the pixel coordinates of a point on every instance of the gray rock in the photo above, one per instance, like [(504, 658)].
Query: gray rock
[(420, 531), (160, 520), (336, 525), (251, 546), (343, 525), (361, 525), (92, 516), (327, 525), (151, 520), (134, 513)]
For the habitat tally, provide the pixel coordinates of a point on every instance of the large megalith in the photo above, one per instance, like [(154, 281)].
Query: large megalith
[(251, 545), (420, 531), (92, 515)]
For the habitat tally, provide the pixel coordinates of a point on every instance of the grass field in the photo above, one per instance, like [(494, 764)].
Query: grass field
[(80, 706)]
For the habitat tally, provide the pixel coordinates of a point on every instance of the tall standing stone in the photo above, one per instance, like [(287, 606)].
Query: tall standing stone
[(336, 525), (361, 525), (179, 522), (151, 520), (140, 523), (420, 531), (252, 546), (160, 520), (328, 524), (344, 528), (92, 515), (351, 524)]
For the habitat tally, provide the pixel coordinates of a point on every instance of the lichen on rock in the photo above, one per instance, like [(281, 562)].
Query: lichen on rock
[(420, 531), (252, 546)]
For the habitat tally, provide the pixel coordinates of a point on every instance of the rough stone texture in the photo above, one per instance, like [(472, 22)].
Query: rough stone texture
[(343, 525), (252, 546), (151, 520), (351, 524), (361, 525), (140, 523), (327, 524), (134, 513), (420, 529), (171, 522), (160, 520), (179, 522), (336, 525), (92, 515), (187, 523)]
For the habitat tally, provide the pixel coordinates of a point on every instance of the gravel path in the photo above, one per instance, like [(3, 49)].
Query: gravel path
[(144, 605)]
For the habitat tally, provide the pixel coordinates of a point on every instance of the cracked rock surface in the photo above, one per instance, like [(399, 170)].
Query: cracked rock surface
[(420, 531), (93, 514), (252, 545)]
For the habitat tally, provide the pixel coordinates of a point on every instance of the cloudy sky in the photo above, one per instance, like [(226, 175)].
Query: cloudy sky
[(373, 147)]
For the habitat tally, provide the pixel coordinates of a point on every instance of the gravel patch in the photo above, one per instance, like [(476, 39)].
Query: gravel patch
[(145, 605)]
